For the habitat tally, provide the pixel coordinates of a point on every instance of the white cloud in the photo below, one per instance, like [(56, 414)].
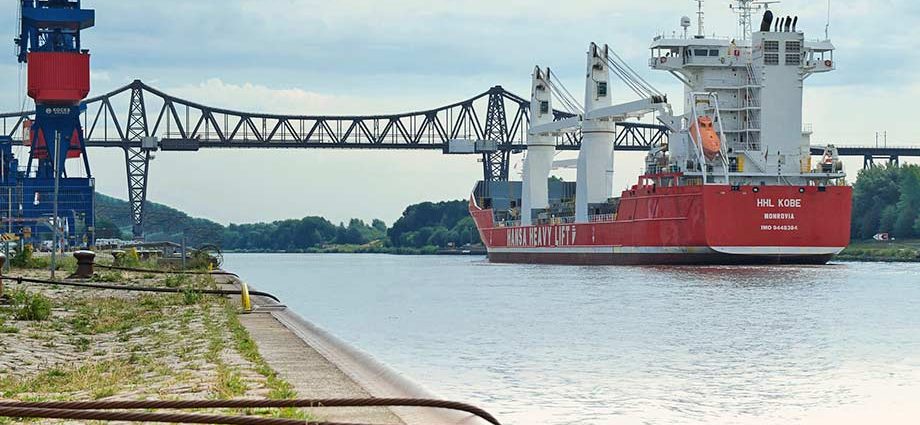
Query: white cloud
[(260, 98), (97, 76), (253, 97), (366, 56)]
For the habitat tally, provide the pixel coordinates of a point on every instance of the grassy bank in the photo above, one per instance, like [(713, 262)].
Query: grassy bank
[(893, 251), (63, 344)]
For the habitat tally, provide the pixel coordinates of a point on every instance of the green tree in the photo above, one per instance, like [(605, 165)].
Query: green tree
[(431, 216), (887, 199), (908, 203), (422, 237), (439, 237)]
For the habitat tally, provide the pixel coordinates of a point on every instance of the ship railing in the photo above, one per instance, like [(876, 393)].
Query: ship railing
[(557, 220), (602, 218)]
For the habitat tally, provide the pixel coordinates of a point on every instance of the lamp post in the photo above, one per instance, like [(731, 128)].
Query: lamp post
[(54, 218)]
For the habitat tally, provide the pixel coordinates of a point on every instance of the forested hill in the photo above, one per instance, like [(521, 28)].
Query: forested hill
[(113, 220), (424, 225)]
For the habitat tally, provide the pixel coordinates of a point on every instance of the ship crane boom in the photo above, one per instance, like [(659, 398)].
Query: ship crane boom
[(625, 111), (557, 128), (617, 113)]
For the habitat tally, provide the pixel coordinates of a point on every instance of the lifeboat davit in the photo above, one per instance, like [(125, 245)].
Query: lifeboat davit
[(710, 142)]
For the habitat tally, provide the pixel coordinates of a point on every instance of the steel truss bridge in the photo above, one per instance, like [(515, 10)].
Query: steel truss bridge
[(141, 119)]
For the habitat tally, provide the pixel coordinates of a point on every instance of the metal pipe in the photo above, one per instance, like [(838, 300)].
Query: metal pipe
[(767, 21)]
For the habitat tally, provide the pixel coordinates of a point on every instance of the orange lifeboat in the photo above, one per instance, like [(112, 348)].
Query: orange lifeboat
[(711, 143)]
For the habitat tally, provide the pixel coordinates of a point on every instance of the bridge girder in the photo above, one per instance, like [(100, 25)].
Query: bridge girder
[(496, 115), (179, 124)]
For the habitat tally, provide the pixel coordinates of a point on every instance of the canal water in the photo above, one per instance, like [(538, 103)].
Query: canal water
[(625, 345)]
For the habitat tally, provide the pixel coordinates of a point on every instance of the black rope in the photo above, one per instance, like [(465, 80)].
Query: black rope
[(250, 404), (185, 418)]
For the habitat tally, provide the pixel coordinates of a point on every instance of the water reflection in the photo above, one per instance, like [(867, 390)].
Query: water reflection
[(597, 345)]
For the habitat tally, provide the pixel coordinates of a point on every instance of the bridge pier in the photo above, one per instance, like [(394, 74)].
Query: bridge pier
[(495, 164), (137, 159)]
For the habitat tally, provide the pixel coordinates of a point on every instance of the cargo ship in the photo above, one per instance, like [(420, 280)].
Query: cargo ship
[(735, 181)]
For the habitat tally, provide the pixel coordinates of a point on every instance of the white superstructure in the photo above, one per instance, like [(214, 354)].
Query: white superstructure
[(752, 90)]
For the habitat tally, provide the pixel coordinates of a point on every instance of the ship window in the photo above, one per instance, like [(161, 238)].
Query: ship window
[(793, 59), (713, 53), (793, 46), (544, 107), (771, 59), (771, 46), (701, 52), (602, 89)]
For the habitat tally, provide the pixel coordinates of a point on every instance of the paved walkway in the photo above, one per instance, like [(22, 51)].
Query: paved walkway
[(311, 374)]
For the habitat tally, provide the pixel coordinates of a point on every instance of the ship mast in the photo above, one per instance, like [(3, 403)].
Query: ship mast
[(745, 10), (701, 32)]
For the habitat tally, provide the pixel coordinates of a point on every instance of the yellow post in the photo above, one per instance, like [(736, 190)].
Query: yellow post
[(244, 297)]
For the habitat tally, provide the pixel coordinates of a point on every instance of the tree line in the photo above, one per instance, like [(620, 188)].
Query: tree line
[(887, 200), (427, 224)]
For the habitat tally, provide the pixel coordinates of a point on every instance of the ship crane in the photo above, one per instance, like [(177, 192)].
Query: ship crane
[(596, 121), (58, 80), (652, 101)]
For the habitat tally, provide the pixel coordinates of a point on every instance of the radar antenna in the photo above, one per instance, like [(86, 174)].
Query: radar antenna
[(745, 10)]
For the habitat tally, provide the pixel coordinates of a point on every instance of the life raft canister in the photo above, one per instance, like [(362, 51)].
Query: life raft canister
[(710, 142)]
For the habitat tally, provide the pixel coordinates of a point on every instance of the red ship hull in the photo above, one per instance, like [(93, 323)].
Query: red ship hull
[(703, 224)]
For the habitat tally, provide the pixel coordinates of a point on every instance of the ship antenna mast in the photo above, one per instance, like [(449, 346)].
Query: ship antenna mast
[(745, 10), (699, 18)]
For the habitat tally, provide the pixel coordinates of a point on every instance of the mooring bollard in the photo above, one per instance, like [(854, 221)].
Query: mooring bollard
[(118, 256), (85, 262), (244, 297)]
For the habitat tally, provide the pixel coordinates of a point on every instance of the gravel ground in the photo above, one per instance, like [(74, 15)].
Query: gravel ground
[(118, 345)]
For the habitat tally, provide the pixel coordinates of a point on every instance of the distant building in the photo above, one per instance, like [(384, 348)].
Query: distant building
[(163, 249)]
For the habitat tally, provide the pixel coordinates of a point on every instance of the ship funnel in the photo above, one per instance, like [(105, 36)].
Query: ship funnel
[(776, 24), (795, 21), (767, 21), (788, 24)]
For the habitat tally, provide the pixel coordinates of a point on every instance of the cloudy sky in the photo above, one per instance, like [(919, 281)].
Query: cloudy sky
[(370, 56)]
